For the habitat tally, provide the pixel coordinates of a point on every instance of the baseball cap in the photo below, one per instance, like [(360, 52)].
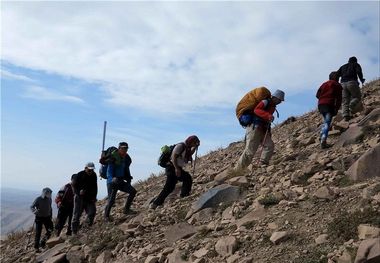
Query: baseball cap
[(90, 165), (123, 145)]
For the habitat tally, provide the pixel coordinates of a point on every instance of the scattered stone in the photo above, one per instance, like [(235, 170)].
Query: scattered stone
[(367, 231), (325, 192), (176, 257), (54, 241), (345, 257), (226, 246), (58, 249), (251, 217), (321, 239), (222, 177), (373, 116), (367, 166), (151, 259), (240, 181), (278, 237), (179, 231), (104, 257), (200, 253), (60, 258)]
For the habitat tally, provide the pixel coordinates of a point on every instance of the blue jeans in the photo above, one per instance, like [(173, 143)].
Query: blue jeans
[(327, 118)]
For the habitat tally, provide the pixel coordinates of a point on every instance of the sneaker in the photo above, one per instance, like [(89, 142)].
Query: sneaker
[(152, 206)]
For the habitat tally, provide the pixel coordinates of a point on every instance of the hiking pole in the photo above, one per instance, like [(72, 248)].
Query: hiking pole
[(104, 135), (262, 146), (195, 160), (104, 141), (26, 246)]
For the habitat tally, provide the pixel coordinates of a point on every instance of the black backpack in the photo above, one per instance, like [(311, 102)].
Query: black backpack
[(104, 160), (166, 153)]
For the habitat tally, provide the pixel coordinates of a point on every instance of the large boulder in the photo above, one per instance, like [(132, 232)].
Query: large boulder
[(368, 251), (373, 116), (353, 135), (366, 166), (54, 241), (58, 249), (222, 193)]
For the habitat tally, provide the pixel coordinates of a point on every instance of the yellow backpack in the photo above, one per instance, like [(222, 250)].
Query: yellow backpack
[(250, 100)]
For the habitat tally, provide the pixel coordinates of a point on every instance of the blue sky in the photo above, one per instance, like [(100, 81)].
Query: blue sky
[(158, 72)]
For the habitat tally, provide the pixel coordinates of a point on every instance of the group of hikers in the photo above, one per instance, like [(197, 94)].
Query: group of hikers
[(255, 113)]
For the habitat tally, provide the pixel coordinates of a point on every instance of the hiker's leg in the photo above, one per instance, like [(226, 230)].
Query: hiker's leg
[(171, 181), (61, 219), (91, 212), (187, 182), (37, 237), (70, 216), (268, 149), (78, 208), (356, 96), (253, 137), (327, 118), (48, 223), (111, 199), (346, 98), (128, 188)]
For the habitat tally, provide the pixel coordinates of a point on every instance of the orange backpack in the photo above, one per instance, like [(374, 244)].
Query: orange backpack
[(251, 99)]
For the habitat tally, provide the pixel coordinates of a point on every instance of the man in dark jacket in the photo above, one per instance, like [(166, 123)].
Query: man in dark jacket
[(119, 178), (85, 190), (181, 155), (329, 101), (41, 207), (349, 74), (65, 204)]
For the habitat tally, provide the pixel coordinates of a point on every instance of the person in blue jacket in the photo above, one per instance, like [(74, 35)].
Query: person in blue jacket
[(119, 178)]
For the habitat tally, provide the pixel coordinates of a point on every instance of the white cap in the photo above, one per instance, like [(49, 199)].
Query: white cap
[(90, 165), (279, 94)]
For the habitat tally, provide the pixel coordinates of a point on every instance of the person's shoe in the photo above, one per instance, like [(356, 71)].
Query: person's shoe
[(129, 212), (37, 250), (347, 118), (152, 206), (108, 219), (68, 233), (324, 144)]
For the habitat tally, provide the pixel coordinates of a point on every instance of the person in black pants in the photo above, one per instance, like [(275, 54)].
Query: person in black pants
[(119, 178), (85, 187), (41, 207), (65, 204), (182, 154)]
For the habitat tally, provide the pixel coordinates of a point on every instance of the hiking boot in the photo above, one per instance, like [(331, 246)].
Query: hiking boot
[(153, 206), (324, 145), (129, 212), (43, 244), (37, 250), (108, 219), (347, 118), (68, 233)]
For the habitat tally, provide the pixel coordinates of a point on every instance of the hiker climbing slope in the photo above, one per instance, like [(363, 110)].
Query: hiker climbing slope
[(119, 178), (180, 155), (349, 74), (85, 190), (329, 101), (41, 207), (65, 205), (258, 119)]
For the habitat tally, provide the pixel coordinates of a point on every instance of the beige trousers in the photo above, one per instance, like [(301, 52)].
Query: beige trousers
[(253, 139)]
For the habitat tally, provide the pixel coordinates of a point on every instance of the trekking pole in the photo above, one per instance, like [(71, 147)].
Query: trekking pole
[(104, 141), (262, 146), (195, 160), (26, 246), (104, 135)]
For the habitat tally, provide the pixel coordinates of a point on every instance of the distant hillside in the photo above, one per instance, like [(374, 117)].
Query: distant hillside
[(15, 212)]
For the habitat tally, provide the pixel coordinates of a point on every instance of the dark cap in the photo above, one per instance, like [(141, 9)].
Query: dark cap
[(123, 145)]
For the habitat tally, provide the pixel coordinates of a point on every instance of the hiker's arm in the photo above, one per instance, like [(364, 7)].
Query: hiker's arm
[(34, 206), (176, 166), (318, 92), (360, 73), (262, 113)]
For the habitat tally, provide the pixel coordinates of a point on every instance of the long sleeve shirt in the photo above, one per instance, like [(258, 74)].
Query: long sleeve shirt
[(42, 206), (350, 72), (330, 93)]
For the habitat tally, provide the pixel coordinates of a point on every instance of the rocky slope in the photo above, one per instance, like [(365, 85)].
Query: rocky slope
[(308, 205)]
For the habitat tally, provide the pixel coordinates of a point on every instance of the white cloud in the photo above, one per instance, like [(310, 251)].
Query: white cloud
[(10, 75), (178, 57), (41, 93)]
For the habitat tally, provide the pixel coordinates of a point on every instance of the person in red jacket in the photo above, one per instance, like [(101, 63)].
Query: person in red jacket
[(65, 204), (259, 131), (329, 101)]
